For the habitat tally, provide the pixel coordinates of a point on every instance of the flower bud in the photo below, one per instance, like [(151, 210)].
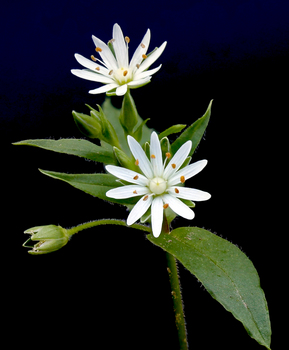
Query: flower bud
[(50, 238), (88, 125)]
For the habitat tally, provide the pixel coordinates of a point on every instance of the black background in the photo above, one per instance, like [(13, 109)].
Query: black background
[(109, 285)]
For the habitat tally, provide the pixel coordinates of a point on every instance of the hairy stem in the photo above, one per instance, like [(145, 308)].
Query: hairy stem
[(94, 223), (177, 300)]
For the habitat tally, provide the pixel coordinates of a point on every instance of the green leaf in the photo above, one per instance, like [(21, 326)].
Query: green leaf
[(94, 184), (194, 132), (77, 147), (172, 130), (227, 274)]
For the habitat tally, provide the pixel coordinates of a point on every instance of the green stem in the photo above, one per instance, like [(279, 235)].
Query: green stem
[(94, 223), (177, 300)]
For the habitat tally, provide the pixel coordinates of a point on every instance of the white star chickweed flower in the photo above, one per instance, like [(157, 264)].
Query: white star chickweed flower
[(115, 71), (161, 184)]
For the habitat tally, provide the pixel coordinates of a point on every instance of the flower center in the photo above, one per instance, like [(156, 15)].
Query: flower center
[(158, 185), (122, 75)]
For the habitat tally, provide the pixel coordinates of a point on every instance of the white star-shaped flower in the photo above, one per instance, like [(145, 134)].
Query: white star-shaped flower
[(161, 184), (115, 70)]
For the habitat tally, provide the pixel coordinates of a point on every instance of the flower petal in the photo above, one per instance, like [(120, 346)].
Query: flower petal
[(156, 155), (157, 216), (145, 74), (152, 58), (121, 90), (104, 88), (139, 209), (177, 160), (120, 47), (178, 206), (105, 54), (127, 175), (89, 75), (188, 172), (141, 50), (138, 83), (189, 193), (127, 191), (91, 65), (140, 157)]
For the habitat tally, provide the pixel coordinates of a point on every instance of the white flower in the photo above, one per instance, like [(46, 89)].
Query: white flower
[(161, 184), (115, 71)]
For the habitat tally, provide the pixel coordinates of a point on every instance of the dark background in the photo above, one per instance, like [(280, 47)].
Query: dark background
[(110, 284)]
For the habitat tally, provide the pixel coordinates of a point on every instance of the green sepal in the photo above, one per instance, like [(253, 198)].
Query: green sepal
[(124, 160), (194, 132), (87, 125), (108, 132), (172, 130), (165, 147), (137, 133), (226, 273)]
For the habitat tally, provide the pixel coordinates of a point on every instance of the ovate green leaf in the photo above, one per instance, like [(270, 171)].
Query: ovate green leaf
[(227, 274)]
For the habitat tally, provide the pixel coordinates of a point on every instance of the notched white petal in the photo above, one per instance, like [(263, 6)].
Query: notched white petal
[(128, 191)]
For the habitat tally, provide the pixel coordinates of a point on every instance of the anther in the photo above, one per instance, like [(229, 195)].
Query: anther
[(153, 156), (174, 166), (135, 192), (98, 49), (127, 39), (137, 66), (93, 58), (168, 155), (125, 73), (136, 162), (97, 68), (142, 45), (110, 73), (176, 190), (136, 177), (112, 40), (182, 178), (144, 56), (166, 206), (145, 198)]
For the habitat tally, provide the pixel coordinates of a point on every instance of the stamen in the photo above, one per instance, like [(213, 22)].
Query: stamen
[(97, 68), (93, 58), (136, 162), (144, 56), (137, 66), (174, 166), (125, 73), (145, 198), (166, 206), (110, 73), (176, 190), (142, 45), (127, 39), (182, 178), (135, 192), (136, 177), (168, 155), (98, 49), (153, 156)]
